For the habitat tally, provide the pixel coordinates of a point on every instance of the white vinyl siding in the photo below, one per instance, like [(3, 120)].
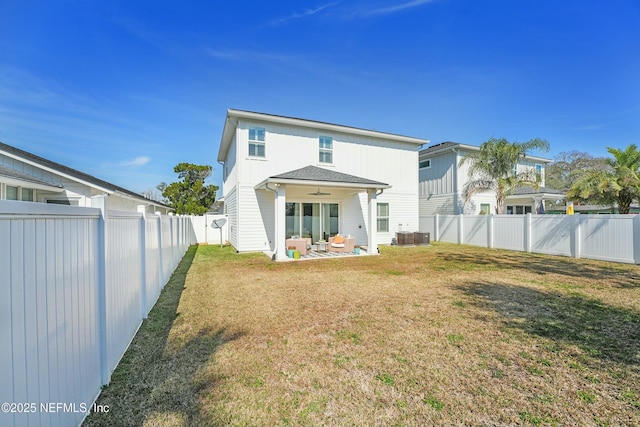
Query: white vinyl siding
[(257, 142)]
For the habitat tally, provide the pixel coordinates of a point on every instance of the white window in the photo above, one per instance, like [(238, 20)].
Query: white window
[(425, 164), (326, 149), (518, 209), (485, 208), (383, 217), (11, 192), (256, 142), (27, 194)]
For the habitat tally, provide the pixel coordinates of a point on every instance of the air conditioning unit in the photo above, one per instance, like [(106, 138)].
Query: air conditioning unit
[(420, 238), (404, 238)]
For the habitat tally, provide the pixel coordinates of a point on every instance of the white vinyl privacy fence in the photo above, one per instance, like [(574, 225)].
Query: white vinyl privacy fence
[(602, 237), (75, 286)]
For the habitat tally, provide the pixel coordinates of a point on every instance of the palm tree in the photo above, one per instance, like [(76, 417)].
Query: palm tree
[(493, 168), (618, 184)]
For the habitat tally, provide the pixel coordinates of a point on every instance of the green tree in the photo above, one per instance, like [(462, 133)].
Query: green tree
[(191, 196), (618, 184), (568, 166), (492, 168)]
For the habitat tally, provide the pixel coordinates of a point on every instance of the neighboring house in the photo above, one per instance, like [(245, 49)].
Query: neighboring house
[(285, 176), (27, 177), (442, 181)]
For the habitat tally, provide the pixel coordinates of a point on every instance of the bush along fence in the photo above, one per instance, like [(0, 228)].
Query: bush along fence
[(76, 284), (602, 237)]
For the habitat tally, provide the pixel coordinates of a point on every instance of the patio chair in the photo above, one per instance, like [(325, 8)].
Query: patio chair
[(341, 244)]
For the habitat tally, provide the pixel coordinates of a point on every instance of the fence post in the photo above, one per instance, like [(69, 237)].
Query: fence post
[(490, 230), (527, 232), (575, 237), (160, 257), (101, 203), (143, 262), (636, 239), (460, 229), (436, 228)]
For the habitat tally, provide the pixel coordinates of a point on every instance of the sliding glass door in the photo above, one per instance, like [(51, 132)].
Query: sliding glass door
[(315, 220)]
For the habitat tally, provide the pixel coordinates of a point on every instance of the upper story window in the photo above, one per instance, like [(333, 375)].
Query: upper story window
[(425, 164), (256, 142), (326, 149)]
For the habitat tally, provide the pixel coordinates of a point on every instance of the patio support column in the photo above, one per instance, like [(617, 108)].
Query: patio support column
[(373, 221), (279, 250)]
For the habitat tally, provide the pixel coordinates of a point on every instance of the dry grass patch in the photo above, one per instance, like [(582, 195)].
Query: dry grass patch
[(447, 334)]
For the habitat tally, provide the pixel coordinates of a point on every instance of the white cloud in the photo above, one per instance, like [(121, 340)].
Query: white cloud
[(138, 161), (397, 8), (306, 13)]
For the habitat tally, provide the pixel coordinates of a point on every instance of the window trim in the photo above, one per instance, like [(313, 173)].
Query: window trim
[(324, 150), (257, 142), (422, 161), (381, 217)]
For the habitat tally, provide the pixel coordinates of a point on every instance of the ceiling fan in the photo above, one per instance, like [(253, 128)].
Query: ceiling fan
[(319, 193)]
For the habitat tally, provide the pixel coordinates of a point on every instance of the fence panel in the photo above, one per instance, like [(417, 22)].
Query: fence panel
[(607, 237), (553, 234), (56, 263), (509, 232), (152, 260), (123, 282), (604, 237), (48, 300), (476, 229), (448, 228)]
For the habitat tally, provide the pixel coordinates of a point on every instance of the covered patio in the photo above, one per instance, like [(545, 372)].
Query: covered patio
[(316, 204), (528, 200)]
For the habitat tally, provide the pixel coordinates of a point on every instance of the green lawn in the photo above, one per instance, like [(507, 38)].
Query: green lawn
[(445, 335)]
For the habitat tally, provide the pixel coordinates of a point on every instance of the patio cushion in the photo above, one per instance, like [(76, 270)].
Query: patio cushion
[(339, 240), (338, 245)]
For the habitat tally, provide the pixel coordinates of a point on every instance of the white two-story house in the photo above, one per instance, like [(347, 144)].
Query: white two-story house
[(442, 182), (285, 176)]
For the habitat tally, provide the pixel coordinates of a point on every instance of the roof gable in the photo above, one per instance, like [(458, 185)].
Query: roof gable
[(316, 174)]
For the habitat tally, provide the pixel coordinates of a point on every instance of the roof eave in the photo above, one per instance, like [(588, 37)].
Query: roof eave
[(314, 183), (292, 121)]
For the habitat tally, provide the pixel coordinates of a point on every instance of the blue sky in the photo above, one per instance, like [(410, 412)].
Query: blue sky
[(125, 90)]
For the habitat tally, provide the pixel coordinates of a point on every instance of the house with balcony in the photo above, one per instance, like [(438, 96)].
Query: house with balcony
[(28, 177), (286, 176), (442, 181)]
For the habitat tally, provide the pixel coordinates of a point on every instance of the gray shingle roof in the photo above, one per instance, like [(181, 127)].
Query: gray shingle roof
[(540, 190), (314, 173), (439, 146)]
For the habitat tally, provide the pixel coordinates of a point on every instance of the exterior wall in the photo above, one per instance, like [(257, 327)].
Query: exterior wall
[(353, 217), (231, 209), (290, 147)]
